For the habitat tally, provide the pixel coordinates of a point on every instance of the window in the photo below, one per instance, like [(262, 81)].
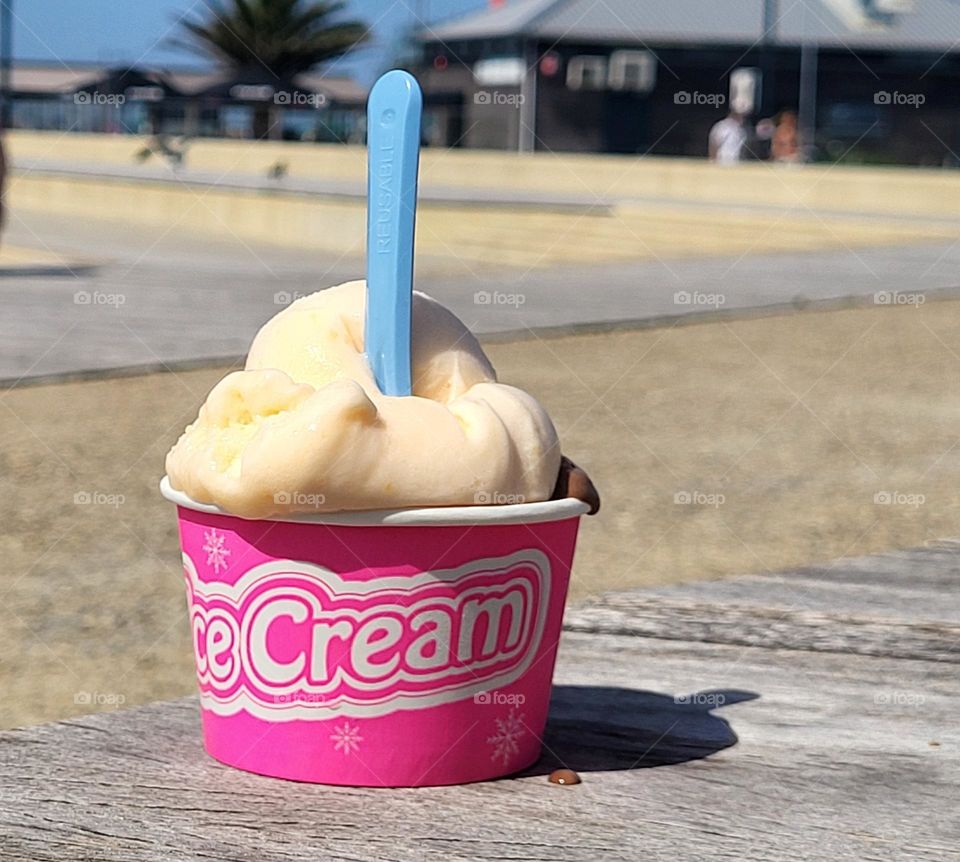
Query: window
[(587, 72), (632, 70)]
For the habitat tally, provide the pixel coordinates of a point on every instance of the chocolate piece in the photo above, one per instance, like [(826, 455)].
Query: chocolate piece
[(564, 776), (574, 482)]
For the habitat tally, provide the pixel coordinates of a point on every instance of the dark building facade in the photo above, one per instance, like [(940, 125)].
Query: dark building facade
[(215, 103), (872, 80)]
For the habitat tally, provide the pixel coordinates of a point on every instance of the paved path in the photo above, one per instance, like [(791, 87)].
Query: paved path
[(132, 297), (806, 715)]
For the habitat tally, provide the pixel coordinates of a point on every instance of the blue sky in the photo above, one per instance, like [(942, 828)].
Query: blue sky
[(124, 31)]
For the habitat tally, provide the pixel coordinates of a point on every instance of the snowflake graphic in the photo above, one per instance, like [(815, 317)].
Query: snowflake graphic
[(504, 741), (215, 546), (346, 738)]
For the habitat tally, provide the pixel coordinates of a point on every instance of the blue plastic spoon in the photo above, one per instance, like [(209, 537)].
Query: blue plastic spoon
[(393, 156)]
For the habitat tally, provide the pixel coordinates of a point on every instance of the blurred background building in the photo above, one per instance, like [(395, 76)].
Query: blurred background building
[(872, 81), (94, 98), (632, 76)]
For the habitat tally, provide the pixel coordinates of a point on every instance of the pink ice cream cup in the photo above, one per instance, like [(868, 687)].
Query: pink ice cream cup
[(383, 649)]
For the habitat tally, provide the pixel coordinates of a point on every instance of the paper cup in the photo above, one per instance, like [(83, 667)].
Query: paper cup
[(396, 648)]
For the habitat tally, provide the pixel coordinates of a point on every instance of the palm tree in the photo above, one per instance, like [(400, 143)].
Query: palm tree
[(271, 41)]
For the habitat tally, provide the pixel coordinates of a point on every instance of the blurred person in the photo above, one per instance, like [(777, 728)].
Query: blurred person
[(785, 144), (727, 140)]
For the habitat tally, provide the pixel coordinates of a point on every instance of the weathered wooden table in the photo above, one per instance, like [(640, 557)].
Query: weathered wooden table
[(810, 715)]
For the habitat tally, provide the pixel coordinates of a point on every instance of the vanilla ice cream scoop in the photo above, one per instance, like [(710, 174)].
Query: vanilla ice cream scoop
[(304, 428)]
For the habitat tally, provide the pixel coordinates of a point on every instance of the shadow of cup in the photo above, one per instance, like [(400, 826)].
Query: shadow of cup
[(598, 728)]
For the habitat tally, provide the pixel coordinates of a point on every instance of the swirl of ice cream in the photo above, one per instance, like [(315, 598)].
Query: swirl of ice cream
[(304, 426)]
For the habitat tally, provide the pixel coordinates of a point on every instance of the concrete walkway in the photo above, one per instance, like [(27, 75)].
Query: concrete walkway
[(347, 187), (141, 298), (574, 198)]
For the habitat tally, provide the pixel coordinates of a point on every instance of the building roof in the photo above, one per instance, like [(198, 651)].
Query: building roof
[(932, 25), (344, 91), (52, 79), (55, 78)]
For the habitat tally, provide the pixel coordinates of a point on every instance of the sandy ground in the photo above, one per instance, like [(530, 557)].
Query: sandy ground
[(720, 448)]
